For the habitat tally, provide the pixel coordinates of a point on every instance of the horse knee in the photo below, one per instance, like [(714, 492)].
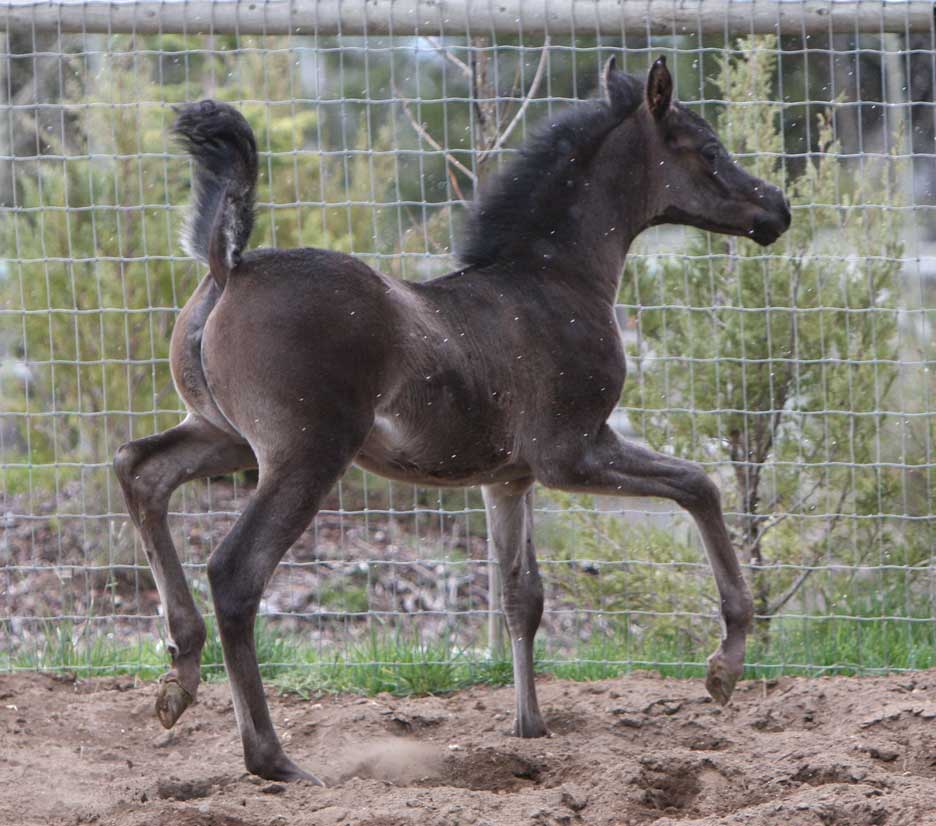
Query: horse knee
[(188, 638), (523, 602), (700, 493)]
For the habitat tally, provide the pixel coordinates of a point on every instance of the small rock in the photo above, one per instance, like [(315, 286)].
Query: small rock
[(573, 798), (144, 708), (884, 755), (167, 738), (663, 706), (68, 677), (175, 789), (273, 788), (767, 723)]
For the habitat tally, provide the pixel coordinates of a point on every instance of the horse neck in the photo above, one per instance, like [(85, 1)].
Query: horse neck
[(612, 210)]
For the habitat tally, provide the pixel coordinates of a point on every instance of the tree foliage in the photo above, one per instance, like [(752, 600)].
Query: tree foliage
[(95, 268)]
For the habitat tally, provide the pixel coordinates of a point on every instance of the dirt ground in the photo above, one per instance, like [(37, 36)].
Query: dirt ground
[(637, 750)]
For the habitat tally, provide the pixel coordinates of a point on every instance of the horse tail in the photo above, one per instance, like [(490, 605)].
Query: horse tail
[(221, 215)]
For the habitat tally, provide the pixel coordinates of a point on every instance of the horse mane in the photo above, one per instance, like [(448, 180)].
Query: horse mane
[(528, 198)]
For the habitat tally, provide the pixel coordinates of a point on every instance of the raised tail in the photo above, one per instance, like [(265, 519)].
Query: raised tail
[(221, 215)]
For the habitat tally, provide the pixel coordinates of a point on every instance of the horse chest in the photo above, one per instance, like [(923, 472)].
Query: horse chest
[(583, 397), (588, 366)]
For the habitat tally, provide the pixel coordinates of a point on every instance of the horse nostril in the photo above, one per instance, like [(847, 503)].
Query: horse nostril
[(786, 215)]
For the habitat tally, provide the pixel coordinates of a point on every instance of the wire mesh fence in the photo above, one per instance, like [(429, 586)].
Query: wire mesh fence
[(800, 375)]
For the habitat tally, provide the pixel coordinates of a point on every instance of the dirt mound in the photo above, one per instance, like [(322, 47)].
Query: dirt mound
[(639, 750)]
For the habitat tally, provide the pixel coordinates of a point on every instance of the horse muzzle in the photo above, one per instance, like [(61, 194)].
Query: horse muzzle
[(773, 220)]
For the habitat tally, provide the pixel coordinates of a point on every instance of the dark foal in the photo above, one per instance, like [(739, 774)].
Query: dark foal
[(302, 362)]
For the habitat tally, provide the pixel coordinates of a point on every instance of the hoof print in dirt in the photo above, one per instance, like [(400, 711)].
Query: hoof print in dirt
[(492, 770), (564, 722), (673, 785)]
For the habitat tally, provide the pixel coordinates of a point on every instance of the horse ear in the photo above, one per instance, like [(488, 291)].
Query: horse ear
[(659, 88), (621, 92), (610, 68)]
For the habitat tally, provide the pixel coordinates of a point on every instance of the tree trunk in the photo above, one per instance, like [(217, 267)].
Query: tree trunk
[(748, 465)]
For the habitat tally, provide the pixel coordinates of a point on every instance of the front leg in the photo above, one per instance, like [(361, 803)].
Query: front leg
[(149, 470), (610, 466), (509, 509)]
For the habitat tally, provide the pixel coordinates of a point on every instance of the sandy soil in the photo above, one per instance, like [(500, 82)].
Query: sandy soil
[(638, 750)]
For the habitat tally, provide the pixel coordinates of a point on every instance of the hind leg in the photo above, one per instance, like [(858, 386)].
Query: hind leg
[(149, 471), (291, 487)]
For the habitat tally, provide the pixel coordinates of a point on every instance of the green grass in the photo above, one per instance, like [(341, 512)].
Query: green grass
[(64, 648), (408, 665)]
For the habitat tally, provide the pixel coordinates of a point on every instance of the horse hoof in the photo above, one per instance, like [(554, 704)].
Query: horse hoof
[(298, 774), (530, 728), (283, 769), (721, 678), (171, 700)]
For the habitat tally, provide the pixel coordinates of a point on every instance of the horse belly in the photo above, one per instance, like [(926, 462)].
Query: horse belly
[(442, 452)]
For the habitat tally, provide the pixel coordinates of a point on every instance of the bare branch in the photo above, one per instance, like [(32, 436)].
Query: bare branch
[(770, 523), (801, 579), (424, 134), (454, 182), (534, 87), (791, 592), (450, 56)]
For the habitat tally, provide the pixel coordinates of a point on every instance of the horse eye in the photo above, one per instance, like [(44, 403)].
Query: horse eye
[(710, 152)]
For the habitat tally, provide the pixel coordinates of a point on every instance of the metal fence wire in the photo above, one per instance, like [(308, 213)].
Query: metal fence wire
[(800, 375)]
